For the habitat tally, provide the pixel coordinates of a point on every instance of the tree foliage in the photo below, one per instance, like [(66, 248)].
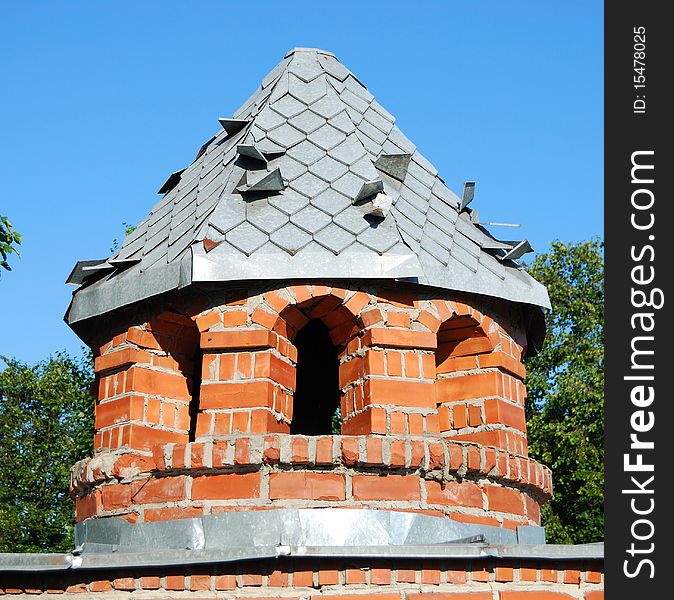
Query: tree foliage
[(565, 413), (46, 425), (9, 240)]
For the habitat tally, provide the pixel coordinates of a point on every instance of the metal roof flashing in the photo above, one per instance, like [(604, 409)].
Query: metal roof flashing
[(113, 543), (310, 178)]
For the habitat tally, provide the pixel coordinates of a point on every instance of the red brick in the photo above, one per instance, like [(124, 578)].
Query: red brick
[(251, 579), (429, 320), (235, 318), (205, 322), (303, 579), (120, 410), (225, 582), (455, 493), (175, 582), (150, 583), (406, 576), (596, 595), (300, 450), (278, 579), (398, 319), (158, 383), (172, 512), (244, 338), (374, 362), (452, 596), (535, 595), (467, 387), (399, 338), (226, 487), (499, 411), (380, 576), (373, 451), (166, 489), (124, 583), (504, 499), (372, 420), (430, 576), (328, 577), (503, 573), (324, 450), (120, 358), (398, 453), (250, 394), (390, 487), (116, 496), (419, 394), (200, 583), (101, 586), (457, 577), (371, 317), (307, 486), (355, 576), (593, 577)]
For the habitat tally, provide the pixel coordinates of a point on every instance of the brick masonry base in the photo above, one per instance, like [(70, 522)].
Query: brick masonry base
[(348, 579)]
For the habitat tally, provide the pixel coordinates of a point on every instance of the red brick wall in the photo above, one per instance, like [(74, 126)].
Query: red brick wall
[(354, 579), (425, 377)]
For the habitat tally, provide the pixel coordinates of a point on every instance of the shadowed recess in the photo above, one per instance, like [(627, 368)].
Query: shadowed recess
[(317, 394)]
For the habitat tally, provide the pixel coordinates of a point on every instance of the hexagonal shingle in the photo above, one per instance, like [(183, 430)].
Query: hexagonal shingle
[(380, 239), (331, 201), (307, 92), (328, 169), (309, 185), (334, 238), (264, 216), (290, 238), (349, 185), (310, 219), (328, 106), (307, 121), (268, 119), (306, 152), (286, 135), (327, 137), (246, 238), (291, 168), (289, 201), (352, 220), (349, 151), (288, 106)]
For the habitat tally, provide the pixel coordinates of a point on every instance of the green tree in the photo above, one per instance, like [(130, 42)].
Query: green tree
[(9, 240), (46, 425), (565, 412)]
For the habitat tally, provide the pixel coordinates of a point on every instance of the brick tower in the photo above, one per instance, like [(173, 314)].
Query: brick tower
[(311, 342)]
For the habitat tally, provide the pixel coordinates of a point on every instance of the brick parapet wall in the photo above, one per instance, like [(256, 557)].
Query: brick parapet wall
[(437, 476), (409, 363), (349, 579)]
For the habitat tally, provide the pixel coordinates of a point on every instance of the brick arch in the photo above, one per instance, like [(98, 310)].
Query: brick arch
[(338, 308), (249, 372), (479, 387)]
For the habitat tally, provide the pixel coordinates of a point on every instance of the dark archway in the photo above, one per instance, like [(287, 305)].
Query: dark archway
[(316, 395)]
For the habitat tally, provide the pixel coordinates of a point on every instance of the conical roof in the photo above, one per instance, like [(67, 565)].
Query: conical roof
[(310, 178)]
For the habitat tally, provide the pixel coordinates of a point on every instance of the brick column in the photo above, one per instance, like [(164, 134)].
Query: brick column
[(387, 379), (144, 384), (480, 390), (248, 377)]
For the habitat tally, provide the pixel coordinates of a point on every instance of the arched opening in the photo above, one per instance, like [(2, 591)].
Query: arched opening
[(316, 395)]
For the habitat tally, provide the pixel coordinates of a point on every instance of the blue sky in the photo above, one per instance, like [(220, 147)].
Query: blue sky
[(101, 101)]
